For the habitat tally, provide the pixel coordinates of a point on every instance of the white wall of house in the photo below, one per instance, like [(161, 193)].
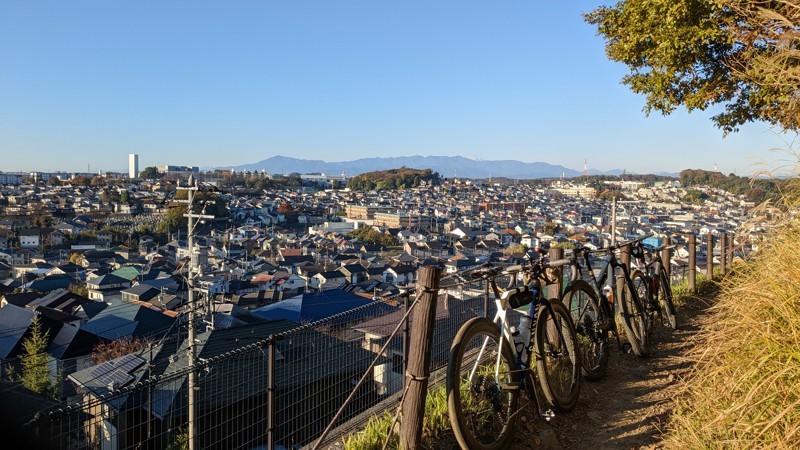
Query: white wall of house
[(29, 241)]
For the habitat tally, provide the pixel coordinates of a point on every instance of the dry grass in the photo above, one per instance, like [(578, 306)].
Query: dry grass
[(744, 391)]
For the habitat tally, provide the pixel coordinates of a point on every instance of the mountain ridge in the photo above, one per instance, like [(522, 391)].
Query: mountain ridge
[(446, 166)]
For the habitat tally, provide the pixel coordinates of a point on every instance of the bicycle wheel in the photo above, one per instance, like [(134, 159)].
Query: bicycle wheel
[(633, 316), (558, 364), (591, 328), (482, 387), (646, 297), (665, 299)]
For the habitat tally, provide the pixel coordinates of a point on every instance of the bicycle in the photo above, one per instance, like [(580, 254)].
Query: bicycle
[(595, 312), (489, 365), (659, 290)]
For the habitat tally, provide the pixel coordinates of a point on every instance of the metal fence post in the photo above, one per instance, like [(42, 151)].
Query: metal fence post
[(710, 256), (723, 253), (271, 393), (692, 244), (419, 358)]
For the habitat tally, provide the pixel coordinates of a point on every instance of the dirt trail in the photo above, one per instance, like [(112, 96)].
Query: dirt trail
[(629, 407)]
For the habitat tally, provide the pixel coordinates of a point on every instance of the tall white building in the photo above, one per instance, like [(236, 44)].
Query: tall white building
[(133, 165)]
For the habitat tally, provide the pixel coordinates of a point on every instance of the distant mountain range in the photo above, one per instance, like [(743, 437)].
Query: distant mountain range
[(447, 166)]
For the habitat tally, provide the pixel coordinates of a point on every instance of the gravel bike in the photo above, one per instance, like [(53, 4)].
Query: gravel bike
[(659, 303), (599, 302), (490, 360)]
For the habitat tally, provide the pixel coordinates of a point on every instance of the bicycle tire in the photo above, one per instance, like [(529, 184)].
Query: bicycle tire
[(482, 410), (665, 299), (634, 321), (591, 327), (646, 297), (558, 364)]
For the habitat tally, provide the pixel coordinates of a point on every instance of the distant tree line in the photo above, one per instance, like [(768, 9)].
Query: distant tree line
[(401, 178), (754, 190)]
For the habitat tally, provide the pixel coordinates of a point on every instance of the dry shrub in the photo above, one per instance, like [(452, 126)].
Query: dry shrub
[(744, 391)]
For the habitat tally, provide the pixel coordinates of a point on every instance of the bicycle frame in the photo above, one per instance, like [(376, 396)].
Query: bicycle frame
[(607, 276), (522, 364)]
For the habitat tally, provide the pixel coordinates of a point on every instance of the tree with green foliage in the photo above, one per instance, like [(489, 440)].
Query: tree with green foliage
[(371, 236), (610, 194), (550, 228), (695, 197), (79, 289), (755, 190), (150, 173), (401, 178), (739, 54), (566, 245), (35, 371)]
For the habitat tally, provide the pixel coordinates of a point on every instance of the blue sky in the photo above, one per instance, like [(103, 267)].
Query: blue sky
[(84, 83)]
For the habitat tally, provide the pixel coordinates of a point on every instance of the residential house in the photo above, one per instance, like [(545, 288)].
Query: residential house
[(30, 238), (107, 287), (354, 273), (307, 362), (400, 275)]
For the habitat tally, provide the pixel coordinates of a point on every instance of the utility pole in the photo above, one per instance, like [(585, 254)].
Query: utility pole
[(191, 189), (614, 220)]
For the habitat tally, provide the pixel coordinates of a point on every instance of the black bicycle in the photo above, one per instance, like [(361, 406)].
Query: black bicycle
[(647, 261), (601, 300), (489, 365)]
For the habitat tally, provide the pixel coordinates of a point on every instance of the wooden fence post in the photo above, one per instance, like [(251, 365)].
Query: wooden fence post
[(710, 257), (419, 357), (625, 255), (723, 253), (692, 244), (730, 249), (665, 258), (554, 254)]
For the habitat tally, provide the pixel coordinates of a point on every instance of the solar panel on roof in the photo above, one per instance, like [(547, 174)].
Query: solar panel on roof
[(102, 369), (129, 363), (116, 377)]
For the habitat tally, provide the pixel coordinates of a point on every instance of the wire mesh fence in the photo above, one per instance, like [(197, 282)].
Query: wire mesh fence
[(267, 385)]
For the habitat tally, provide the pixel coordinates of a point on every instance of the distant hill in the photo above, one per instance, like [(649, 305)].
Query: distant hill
[(446, 166)]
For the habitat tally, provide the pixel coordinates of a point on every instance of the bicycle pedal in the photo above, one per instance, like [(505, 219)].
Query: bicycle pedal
[(510, 386), (548, 415)]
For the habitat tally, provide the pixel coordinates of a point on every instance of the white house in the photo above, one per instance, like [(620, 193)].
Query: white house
[(29, 238)]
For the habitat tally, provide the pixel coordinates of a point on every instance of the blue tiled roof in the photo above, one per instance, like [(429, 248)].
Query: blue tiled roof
[(127, 319), (14, 322), (312, 307)]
